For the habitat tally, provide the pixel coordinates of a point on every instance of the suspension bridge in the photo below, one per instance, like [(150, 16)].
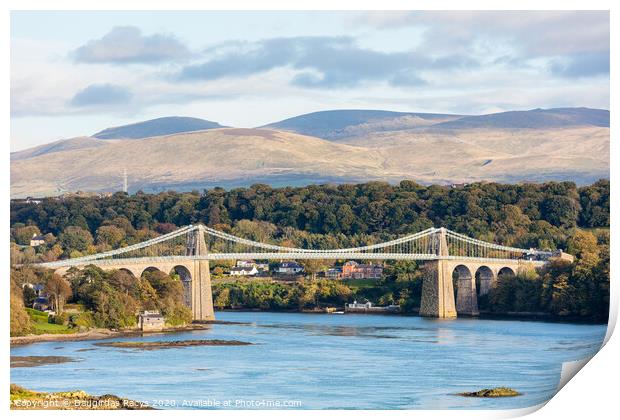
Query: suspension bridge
[(447, 254)]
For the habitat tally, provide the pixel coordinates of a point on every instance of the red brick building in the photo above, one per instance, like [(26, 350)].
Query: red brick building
[(354, 270)]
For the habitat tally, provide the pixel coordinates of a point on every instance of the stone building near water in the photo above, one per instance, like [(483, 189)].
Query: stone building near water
[(151, 321)]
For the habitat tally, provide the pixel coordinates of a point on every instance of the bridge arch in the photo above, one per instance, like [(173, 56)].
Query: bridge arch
[(461, 271), (466, 298), (150, 268), (485, 280), (185, 275), (128, 271), (506, 272)]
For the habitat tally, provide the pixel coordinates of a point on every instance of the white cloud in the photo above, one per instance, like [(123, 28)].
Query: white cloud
[(126, 45)]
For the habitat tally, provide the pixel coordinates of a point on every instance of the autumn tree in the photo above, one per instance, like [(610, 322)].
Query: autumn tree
[(22, 235), (315, 266), (222, 299), (110, 235), (59, 290), (20, 321)]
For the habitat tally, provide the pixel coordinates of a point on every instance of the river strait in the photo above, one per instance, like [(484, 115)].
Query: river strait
[(320, 361)]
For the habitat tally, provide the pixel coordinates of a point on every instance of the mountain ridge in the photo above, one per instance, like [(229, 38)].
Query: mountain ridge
[(395, 148)]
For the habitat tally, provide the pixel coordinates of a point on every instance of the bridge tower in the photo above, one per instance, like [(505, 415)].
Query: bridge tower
[(201, 296), (437, 289)]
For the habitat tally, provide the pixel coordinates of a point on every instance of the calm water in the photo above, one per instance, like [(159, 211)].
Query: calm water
[(328, 361)]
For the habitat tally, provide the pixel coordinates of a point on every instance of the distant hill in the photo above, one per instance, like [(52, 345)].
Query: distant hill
[(535, 118), (157, 127), (337, 124), (564, 144), (57, 146), (225, 157), (344, 124)]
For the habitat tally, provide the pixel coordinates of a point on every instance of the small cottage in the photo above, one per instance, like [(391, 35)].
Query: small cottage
[(151, 321), (290, 267), (37, 240), (243, 271)]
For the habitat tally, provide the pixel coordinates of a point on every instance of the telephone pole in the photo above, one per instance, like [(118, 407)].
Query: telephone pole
[(125, 180)]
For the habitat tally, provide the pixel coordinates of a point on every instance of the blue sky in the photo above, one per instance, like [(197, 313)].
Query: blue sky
[(74, 73)]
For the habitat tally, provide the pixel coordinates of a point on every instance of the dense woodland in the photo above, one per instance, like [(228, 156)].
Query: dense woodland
[(545, 216)]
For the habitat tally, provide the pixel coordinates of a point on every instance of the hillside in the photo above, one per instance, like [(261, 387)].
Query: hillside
[(538, 145), (536, 118), (157, 127), (192, 160), (579, 154), (57, 146)]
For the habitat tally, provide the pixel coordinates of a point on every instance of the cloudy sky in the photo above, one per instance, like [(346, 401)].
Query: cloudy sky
[(75, 73)]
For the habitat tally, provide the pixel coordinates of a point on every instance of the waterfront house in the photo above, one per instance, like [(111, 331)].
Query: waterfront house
[(356, 305), (250, 264), (289, 267), (368, 308), (244, 271), (355, 270), (151, 321)]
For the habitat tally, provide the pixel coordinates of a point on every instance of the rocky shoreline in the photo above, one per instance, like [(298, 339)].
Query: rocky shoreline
[(25, 399), (156, 345), (96, 334)]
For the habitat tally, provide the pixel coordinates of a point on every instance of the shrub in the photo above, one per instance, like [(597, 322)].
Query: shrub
[(60, 319), (179, 315), (82, 320)]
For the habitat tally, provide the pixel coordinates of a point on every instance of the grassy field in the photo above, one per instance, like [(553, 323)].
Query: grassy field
[(360, 282), (40, 324)]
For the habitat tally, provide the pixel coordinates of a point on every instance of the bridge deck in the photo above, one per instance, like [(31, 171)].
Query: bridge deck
[(283, 256)]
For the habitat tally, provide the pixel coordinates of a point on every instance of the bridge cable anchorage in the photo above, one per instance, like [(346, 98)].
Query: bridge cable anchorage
[(181, 244)]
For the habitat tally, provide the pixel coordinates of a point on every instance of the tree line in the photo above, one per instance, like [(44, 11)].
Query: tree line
[(525, 215), (545, 216)]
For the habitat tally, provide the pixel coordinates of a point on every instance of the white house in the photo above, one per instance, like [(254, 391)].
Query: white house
[(245, 263), (289, 267), (244, 271), (356, 305), (37, 240)]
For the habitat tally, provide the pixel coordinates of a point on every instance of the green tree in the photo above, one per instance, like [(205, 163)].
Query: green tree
[(560, 210), (315, 266), (110, 235), (222, 299), (75, 238), (22, 235)]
